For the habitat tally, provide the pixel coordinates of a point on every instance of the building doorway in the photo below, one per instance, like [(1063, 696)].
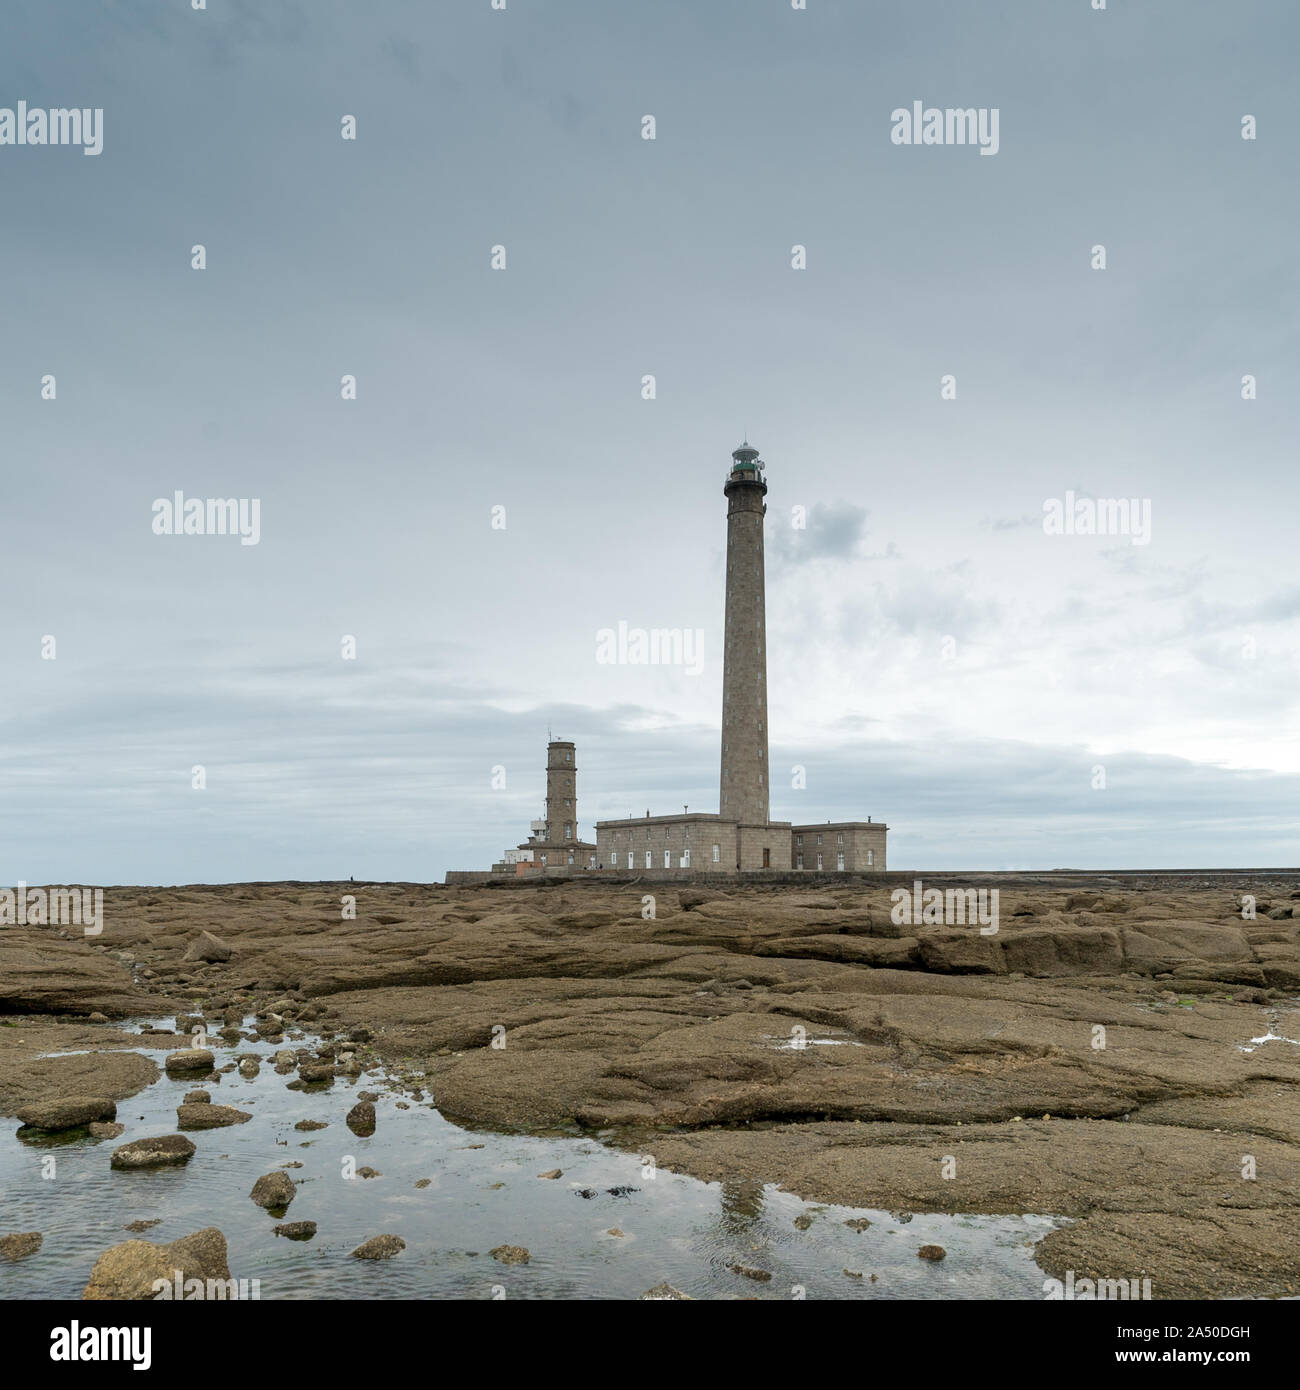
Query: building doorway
[(767, 858)]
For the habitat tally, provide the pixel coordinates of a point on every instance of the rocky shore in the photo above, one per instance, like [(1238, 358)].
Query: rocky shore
[(1121, 1051)]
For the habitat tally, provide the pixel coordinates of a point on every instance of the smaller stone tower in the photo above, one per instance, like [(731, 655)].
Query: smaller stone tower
[(561, 793)]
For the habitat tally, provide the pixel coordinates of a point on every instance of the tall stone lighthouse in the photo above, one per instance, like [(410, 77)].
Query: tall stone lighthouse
[(743, 796), (740, 837)]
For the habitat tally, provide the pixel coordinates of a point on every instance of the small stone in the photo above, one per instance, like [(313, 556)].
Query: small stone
[(361, 1119), (802, 1222), (138, 1226), (21, 1244), (197, 1098), (749, 1272), (206, 947), (161, 1151), (190, 1059), (97, 1018), (551, 1173), (423, 1182), (510, 1254), (104, 1129), (663, 1292), (273, 1191), (209, 1116), (368, 1095), (369, 1173), (307, 1125), (72, 1112), (932, 1252), (859, 1223), (380, 1248), (296, 1230), (614, 1231)]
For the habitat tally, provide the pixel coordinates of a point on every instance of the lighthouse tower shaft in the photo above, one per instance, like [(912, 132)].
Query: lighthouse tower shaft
[(745, 782)]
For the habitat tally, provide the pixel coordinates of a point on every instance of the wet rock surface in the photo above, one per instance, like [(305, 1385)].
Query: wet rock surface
[(274, 1191), (838, 1052), (130, 1270), (205, 1115), (296, 1230), (160, 1151), (380, 1248), (71, 1112), (20, 1244)]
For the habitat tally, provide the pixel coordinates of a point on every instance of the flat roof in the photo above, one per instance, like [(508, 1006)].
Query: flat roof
[(710, 817), (841, 825), (661, 820)]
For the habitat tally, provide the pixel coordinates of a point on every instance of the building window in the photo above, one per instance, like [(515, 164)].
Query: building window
[(717, 853), (568, 757), (839, 840), (686, 857), (591, 861), (839, 861), (543, 859), (798, 842), (647, 859), (819, 861), (666, 832), (819, 840), (871, 856), (798, 861), (613, 860), (570, 859), (668, 859)]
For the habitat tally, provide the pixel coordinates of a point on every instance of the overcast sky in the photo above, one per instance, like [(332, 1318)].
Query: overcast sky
[(936, 659)]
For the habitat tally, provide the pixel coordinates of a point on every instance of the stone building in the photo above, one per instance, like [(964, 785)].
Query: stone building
[(852, 846), (740, 837)]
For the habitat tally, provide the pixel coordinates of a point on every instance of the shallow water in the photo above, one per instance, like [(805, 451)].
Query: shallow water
[(675, 1229)]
